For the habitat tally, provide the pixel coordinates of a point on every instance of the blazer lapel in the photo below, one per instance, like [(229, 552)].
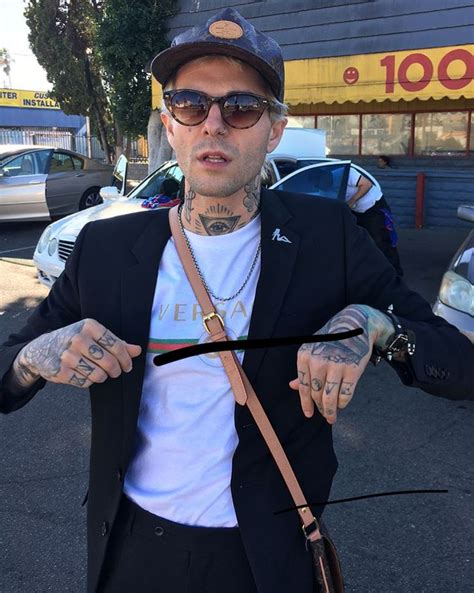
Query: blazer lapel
[(279, 251), (138, 289)]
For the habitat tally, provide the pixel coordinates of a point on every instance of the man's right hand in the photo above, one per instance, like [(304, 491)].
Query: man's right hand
[(79, 354)]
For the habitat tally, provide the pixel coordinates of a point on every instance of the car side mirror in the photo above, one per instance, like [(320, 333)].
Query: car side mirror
[(4, 172), (109, 192)]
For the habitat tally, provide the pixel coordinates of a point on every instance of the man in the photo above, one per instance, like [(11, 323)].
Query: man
[(183, 492), (373, 214)]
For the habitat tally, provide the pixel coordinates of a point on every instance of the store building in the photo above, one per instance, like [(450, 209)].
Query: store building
[(393, 78), (31, 117)]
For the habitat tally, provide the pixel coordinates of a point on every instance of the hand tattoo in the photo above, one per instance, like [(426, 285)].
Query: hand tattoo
[(330, 387), (346, 388), (84, 367), (350, 351), (43, 355), (95, 352), (301, 377), (77, 380), (107, 340)]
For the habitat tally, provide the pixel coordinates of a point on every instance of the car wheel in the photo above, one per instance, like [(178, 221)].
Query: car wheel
[(90, 198)]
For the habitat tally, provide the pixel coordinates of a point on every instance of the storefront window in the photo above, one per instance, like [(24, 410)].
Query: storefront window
[(443, 133), (301, 121), (342, 133), (386, 133)]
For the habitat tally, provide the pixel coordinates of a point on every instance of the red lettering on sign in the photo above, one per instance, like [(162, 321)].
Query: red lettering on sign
[(389, 63), (424, 81), (456, 83)]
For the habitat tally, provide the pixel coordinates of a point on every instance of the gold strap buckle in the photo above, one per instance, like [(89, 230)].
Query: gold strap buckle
[(210, 316)]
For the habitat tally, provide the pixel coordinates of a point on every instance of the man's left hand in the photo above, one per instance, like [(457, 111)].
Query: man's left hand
[(328, 372)]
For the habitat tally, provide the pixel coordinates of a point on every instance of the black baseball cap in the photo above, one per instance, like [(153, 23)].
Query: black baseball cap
[(226, 33)]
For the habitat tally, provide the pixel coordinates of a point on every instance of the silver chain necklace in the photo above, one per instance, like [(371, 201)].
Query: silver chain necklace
[(215, 297)]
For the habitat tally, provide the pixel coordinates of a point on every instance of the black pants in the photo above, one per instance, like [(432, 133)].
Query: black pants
[(374, 221), (148, 554)]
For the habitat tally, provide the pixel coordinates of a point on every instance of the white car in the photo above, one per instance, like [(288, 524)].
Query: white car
[(455, 300), (315, 175)]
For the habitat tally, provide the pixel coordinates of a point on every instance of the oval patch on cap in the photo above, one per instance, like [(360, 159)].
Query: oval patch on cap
[(226, 30)]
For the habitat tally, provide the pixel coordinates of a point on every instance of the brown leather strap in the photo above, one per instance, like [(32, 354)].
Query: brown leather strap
[(243, 390)]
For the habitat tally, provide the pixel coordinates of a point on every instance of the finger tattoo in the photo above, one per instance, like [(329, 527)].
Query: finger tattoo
[(107, 340), (316, 384), (96, 352), (301, 377), (84, 367), (330, 386), (346, 388), (77, 381), (330, 412)]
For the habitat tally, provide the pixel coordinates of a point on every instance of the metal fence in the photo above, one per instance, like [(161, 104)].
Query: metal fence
[(67, 140)]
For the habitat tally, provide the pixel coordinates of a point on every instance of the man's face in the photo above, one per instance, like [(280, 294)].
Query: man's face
[(217, 160)]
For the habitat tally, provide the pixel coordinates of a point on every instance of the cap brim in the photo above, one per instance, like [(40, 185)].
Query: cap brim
[(168, 61)]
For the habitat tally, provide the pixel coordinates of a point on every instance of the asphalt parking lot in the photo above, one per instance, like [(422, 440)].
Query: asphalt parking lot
[(390, 438)]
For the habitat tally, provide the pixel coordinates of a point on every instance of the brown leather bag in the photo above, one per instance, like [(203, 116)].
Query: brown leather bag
[(327, 568)]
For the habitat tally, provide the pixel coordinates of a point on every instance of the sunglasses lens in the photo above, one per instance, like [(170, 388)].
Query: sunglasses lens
[(242, 111), (188, 107)]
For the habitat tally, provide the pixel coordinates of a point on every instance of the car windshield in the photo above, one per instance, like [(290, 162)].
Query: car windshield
[(164, 181)]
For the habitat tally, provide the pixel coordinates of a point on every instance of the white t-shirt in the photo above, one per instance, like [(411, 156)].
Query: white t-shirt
[(367, 201), (186, 435)]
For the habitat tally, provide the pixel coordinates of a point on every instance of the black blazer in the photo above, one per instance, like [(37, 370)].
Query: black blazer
[(329, 264)]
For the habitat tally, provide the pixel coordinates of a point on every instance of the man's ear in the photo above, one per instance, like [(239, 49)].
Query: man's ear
[(276, 133), (168, 124)]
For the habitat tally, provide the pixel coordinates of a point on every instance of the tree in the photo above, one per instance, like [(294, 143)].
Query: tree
[(5, 61), (95, 54), (130, 34)]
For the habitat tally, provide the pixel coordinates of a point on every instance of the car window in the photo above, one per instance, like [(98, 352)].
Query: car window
[(24, 164), (42, 159), (61, 163), (287, 167), (77, 162), (326, 181), (165, 180)]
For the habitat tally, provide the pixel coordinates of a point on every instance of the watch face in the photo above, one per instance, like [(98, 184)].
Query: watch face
[(398, 343)]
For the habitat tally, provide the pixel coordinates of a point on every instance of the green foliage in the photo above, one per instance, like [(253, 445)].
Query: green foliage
[(95, 54), (129, 35)]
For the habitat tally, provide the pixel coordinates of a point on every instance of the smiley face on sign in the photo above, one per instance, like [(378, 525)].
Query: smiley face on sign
[(351, 75)]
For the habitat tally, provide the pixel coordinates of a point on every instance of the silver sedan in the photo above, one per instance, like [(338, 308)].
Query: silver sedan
[(44, 183)]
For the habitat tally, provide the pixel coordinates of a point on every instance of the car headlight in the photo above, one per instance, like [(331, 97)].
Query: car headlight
[(52, 246), (457, 292), (44, 239)]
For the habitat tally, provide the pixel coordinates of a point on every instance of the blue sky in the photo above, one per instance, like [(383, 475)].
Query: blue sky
[(26, 73)]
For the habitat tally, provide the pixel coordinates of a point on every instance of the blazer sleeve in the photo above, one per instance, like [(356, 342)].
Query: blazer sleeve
[(60, 308), (443, 362)]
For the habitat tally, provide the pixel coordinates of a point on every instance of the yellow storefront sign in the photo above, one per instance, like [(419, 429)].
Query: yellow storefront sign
[(26, 99), (415, 74)]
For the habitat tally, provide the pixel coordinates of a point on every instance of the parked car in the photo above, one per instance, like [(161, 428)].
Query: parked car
[(44, 183), (289, 168), (455, 300)]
